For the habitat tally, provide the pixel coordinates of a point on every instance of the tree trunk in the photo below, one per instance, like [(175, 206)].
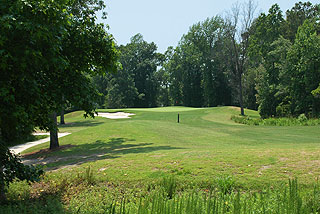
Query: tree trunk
[(240, 95), (62, 112), (54, 142), (62, 116)]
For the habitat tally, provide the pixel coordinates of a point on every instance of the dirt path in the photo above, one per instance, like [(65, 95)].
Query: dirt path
[(19, 148)]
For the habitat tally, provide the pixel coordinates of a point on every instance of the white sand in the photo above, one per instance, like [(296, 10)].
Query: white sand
[(116, 115)]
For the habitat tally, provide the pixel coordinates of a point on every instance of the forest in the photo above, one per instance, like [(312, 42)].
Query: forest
[(270, 63)]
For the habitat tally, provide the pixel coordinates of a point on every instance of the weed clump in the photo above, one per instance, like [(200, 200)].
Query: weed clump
[(226, 184)]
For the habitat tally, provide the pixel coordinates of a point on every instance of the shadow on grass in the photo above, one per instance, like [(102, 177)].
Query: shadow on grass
[(86, 123), (98, 150), (51, 203)]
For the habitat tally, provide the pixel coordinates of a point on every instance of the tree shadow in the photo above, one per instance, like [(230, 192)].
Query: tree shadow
[(85, 123), (98, 150)]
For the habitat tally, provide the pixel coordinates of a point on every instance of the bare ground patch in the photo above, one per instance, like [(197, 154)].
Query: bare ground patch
[(45, 151)]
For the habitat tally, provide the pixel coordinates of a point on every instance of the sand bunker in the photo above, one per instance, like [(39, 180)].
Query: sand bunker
[(116, 115)]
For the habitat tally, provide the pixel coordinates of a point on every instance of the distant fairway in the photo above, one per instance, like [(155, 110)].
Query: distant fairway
[(204, 145)]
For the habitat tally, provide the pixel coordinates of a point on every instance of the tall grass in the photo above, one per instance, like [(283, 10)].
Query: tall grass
[(166, 199), (290, 199)]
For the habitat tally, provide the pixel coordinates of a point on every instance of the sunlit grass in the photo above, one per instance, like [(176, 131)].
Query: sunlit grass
[(205, 143)]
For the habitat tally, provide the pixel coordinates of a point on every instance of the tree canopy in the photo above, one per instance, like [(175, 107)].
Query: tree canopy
[(48, 50)]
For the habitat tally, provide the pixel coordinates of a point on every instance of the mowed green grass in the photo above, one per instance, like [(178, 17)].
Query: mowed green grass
[(205, 144)]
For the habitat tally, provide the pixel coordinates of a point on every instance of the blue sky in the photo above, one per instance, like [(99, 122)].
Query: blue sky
[(165, 21)]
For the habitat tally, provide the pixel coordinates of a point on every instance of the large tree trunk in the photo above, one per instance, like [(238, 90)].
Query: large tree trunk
[(54, 142)]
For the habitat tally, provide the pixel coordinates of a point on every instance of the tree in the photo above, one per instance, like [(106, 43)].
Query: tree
[(121, 90), (297, 15), (163, 78), (29, 40), (36, 69), (238, 26), (265, 31), (304, 69), (88, 50), (196, 68), (249, 89), (136, 83), (142, 61)]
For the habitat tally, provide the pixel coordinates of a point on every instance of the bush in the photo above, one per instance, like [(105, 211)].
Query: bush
[(14, 168), (18, 190), (302, 119)]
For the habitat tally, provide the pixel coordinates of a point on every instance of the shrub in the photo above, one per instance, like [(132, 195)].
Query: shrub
[(12, 168), (302, 120), (18, 190)]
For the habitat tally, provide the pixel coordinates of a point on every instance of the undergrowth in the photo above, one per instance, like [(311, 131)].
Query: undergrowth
[(165, 196), (302, 120)]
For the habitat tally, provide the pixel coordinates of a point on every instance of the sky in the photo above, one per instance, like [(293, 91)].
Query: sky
[(165, 21)]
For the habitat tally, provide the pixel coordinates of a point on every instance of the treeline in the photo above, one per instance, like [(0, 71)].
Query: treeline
[(270, 63)]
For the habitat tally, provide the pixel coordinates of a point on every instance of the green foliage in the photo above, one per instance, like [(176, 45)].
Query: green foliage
[(50, 205), (288, 51), (304, 61), (316, 92), (135, 84), (283, 109), (59, 46), (302, 120), (296, 16), (197, 74), (14, 168), (18, 190)]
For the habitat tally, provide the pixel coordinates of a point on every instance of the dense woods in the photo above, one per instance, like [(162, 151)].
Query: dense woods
[(270, 62)]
